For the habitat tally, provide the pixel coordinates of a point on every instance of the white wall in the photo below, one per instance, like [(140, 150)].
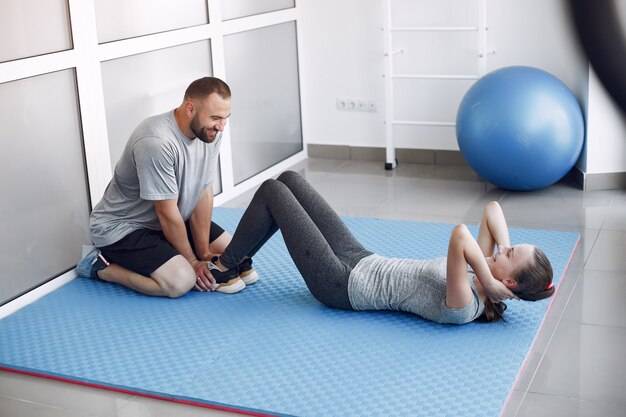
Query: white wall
[(605, 148), (536, 33), (342, 56)]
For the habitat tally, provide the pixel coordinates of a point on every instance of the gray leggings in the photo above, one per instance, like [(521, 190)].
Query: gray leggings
[(319, 243)]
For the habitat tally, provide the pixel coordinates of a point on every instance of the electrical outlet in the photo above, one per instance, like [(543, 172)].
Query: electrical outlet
[(356, 104)]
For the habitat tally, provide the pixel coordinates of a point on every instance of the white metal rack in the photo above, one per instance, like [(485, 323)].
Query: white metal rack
[(390, 75)]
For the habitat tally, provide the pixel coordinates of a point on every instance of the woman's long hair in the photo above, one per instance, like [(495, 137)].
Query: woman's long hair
[(493, 312), (534, 282)]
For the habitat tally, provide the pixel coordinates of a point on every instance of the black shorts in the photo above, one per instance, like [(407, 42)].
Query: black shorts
[(144, 251)]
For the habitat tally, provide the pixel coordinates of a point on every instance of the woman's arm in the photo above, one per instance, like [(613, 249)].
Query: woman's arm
[(463, 250), (493, 230)]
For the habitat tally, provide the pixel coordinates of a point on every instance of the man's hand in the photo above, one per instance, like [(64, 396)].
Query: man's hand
[(204, 279)]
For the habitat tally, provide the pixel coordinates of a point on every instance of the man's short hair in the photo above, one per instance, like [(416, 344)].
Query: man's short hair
[(203, 87)]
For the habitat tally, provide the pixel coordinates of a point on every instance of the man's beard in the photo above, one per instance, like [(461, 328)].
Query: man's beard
[(202, 133)]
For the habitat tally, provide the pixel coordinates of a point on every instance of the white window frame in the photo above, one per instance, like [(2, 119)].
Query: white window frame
[(85, 59)]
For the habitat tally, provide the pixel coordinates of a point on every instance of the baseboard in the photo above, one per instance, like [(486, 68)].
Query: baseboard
[(363, 153), (598, 181), (35, 294), (582, 180)]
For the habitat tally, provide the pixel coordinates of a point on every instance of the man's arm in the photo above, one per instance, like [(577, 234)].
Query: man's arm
[(173, 227), (200, 222)]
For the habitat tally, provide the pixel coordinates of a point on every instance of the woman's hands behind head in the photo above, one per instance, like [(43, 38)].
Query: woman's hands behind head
[(497, 291)]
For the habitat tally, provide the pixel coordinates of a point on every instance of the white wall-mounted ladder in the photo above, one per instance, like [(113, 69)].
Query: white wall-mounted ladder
[(390, 75)]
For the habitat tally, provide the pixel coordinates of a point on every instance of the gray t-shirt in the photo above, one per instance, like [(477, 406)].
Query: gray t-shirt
[(414, 286), (158, 163)]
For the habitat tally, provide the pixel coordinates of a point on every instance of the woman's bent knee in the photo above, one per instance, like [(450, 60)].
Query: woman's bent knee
[(272, 188), (289, 177)]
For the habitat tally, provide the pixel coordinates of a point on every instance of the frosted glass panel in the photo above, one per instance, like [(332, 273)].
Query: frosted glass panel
[(122, 19), (45, 204), (140, 86), (262, 68), (33, 27), (428, 100), (436, 53), (434, 13), (239, 8)]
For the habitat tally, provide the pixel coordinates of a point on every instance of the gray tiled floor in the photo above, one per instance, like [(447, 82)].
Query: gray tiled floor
[(578, 364)]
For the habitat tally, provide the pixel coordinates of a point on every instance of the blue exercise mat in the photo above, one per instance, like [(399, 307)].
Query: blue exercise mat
[(272, 349)]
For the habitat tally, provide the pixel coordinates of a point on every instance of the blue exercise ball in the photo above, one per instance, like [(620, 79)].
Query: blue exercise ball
[(520, 128)]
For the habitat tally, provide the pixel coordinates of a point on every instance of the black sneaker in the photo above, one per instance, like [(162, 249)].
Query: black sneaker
[(247, 273), (228, 281)]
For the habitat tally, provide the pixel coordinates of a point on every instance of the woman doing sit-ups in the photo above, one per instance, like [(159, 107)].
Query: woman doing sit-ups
[(469, 284)]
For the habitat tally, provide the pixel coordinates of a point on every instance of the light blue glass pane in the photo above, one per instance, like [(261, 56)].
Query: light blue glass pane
[(232, 9), (33, 27), (262, 70), (45, 199), (122, 19), (140, 86)]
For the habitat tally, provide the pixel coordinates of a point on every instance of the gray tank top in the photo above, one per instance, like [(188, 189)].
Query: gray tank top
[(414, 286)]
